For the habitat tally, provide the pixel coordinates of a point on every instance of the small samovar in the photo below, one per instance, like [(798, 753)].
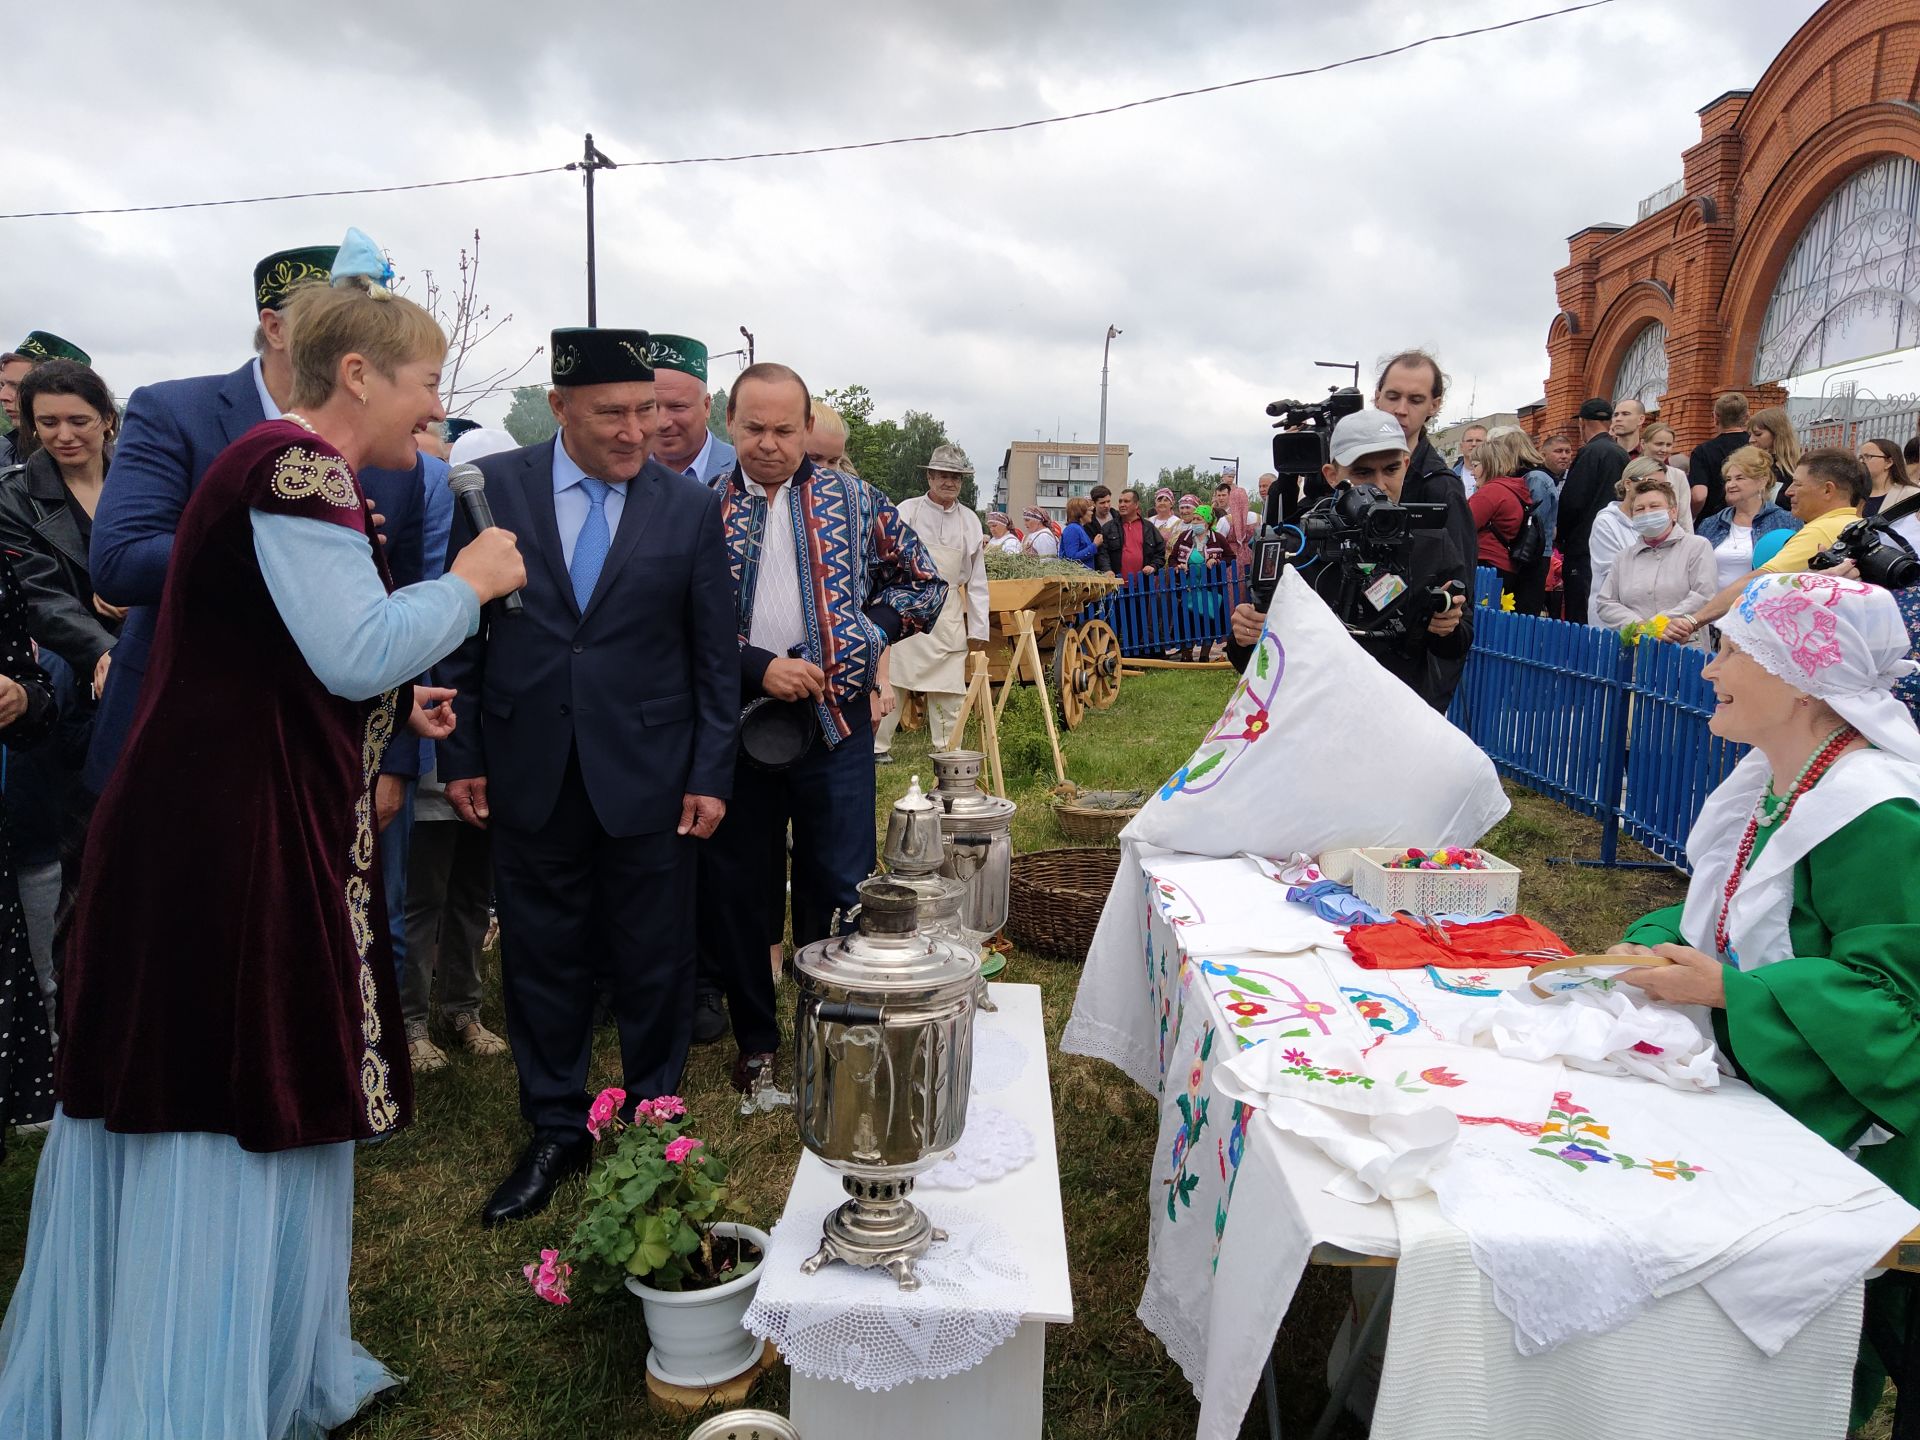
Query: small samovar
[(883, 1064), (915, 849), (979, 834)]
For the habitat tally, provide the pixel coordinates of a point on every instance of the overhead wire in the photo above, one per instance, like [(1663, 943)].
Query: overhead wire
[(850, 146)]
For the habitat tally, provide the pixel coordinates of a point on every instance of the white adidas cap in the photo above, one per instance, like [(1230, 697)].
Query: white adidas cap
[(1366, 432)]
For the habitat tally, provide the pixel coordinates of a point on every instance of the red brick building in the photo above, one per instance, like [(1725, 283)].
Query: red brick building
[(1793, 237)]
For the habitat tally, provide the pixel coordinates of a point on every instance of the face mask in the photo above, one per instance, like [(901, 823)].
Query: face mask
[(1651, 524)]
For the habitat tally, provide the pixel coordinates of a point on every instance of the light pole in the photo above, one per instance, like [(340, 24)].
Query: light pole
[(1113, 334), (1353, 365), (1233, 460)]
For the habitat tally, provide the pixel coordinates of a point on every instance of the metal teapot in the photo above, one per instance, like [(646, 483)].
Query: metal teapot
[(915, 845)]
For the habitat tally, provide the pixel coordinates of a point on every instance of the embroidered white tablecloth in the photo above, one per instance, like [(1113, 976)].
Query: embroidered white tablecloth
[(1237, 1203)]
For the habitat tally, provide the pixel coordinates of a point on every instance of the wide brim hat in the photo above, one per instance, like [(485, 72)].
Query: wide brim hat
[(950, 458), (591, 356)]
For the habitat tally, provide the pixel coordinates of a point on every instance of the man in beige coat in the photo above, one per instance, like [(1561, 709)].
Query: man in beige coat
[(935, 664)]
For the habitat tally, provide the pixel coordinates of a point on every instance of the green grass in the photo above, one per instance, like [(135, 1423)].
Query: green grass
[(443, 1302)]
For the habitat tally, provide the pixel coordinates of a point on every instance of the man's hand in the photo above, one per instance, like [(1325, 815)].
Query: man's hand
[(388, 792), (375, 522), (1247, 624), (469, 800), (788, 679), (1692, 979), (882, 705), (432, 716), (1147, 569), (1680, 629), (100, 673), (13, 700), (1448, 620), (700, 815), (115, 613)]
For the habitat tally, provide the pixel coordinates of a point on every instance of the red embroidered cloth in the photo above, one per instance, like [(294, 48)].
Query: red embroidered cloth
[(1406, 944)]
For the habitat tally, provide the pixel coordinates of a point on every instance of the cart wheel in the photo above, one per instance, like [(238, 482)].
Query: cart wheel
[(1100, 648), (1069, 681)]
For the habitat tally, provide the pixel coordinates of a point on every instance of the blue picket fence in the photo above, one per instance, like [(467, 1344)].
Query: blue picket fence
[(1612, 731), (1171, 609)]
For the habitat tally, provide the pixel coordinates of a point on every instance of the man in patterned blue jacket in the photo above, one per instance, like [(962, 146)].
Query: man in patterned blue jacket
[(827, 576)]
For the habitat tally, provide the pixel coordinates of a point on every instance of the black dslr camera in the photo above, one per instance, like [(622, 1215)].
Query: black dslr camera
[(1878, 552)]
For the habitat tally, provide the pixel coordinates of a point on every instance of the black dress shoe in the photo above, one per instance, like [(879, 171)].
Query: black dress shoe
[(529, 1189), (709, 1017)]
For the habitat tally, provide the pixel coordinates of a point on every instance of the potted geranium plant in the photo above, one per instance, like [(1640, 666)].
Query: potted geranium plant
[(649, 1223)]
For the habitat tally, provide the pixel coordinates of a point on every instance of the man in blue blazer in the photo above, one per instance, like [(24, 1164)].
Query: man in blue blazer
[(595, 741), (684, 440), (171, 434)]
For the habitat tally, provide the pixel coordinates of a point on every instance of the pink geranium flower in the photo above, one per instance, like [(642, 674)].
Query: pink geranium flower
[(605, 1111), (679, 1150), (549, 1277), (662, 1108)]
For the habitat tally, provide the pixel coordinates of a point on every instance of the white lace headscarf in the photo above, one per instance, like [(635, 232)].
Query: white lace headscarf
[(1841, 641)]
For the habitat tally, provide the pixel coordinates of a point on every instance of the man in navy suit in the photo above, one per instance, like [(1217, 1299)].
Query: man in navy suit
[(171, 434), (596, 742)]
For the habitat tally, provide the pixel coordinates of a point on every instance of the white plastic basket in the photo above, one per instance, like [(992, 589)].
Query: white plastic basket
[(1435, 892)]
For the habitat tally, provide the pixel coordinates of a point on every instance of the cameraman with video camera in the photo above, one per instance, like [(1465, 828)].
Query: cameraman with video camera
[(1425, 592)]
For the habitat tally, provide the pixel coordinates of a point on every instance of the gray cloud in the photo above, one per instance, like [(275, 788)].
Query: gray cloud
[(1236, 238)]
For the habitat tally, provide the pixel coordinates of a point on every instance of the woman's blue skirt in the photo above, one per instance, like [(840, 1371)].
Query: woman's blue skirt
[(177, 1287)]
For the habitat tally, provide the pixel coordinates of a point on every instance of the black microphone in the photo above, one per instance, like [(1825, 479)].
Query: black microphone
[(469, 487)]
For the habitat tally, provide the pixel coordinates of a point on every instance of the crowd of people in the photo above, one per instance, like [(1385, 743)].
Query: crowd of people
[(248, 633)]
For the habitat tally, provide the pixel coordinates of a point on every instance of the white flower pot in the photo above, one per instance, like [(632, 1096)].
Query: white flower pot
[(695, 1337)]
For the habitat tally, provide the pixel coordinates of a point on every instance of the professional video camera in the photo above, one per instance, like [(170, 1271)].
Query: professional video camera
[(1300, 449), (1357, 545), (1878, 552)]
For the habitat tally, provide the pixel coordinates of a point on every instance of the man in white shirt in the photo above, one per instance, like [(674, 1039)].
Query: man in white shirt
[(1471, 439), (684, 441), (935, 664)]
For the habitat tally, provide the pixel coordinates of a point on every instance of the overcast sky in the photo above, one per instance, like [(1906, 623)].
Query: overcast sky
[(1235, 238)]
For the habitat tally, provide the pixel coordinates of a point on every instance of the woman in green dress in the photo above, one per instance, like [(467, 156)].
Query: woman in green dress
[(1801, 929)]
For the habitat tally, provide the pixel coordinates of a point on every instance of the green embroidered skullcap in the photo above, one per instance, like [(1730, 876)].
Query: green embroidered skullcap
[(600, 357), (42, 345), (677, 352), (281, 273)]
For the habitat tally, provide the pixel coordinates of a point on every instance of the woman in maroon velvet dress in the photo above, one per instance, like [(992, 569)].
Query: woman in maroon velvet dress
[(230, 1022)]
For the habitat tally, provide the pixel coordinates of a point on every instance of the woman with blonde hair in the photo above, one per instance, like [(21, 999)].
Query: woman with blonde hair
[(231, 1023), (1751, 530), (1772, 431)]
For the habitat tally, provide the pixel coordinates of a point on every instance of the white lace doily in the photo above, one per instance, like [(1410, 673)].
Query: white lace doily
[(995, 1144), (860, 1327), (999, 1059)]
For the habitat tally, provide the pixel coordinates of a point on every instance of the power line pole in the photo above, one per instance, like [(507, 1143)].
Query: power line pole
[(591, 160), (748, 334)]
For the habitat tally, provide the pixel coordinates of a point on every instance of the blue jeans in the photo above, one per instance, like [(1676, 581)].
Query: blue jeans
[(827, 795), (395, 841)]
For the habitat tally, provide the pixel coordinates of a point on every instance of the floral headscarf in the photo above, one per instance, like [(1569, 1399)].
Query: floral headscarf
[(1841, 641)]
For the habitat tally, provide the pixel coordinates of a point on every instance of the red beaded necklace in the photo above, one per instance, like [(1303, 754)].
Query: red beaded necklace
[(1810, 774)]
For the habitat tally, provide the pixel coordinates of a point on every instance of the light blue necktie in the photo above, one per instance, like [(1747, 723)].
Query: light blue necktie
[(591, 544)]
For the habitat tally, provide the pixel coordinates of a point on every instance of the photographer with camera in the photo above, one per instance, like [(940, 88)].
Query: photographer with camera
[(1827, 490), (1423, 593)]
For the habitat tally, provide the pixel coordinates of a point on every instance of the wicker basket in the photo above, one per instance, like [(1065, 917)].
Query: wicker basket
[(1056, 897), (1085, 823), (1435, 892)]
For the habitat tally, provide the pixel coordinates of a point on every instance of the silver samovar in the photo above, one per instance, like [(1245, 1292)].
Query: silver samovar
[(979, 833), (883, 1064)]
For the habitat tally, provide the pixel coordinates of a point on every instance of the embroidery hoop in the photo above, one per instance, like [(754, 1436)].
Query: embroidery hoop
[(1589, 962)]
